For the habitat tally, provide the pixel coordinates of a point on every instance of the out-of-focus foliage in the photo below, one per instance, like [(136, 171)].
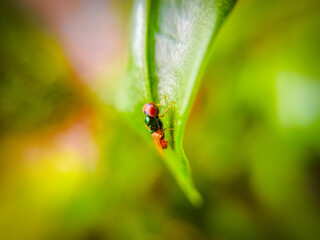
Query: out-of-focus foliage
[(75, 170), (34, 87)]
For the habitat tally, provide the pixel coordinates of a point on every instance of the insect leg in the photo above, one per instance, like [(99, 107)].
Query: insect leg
[(166, 110), (159, 104)]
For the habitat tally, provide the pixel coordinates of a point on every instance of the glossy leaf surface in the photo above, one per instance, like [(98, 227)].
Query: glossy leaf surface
[(170, 47)]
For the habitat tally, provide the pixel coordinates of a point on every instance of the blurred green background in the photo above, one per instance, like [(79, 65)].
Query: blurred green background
[(71, 168)]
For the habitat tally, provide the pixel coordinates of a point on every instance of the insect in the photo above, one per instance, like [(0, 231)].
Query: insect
[(154, 123)]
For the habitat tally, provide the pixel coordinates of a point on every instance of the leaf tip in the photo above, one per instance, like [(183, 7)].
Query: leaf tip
[(196, 199)]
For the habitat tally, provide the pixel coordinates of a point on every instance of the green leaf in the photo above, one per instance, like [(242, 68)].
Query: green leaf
[(170, 48)]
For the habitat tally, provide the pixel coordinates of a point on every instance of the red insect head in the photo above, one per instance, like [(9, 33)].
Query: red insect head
[(151, 109)]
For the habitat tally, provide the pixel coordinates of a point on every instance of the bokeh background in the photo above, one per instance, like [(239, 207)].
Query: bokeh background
[(71, 168)]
